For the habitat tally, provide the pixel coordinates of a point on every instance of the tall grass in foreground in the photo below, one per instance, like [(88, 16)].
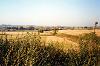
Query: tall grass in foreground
[(30, 51)]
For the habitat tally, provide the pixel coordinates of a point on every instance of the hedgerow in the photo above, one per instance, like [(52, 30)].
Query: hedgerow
[(29, 50)]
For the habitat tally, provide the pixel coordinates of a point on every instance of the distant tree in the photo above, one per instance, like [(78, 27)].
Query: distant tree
[(31, 28), (8, 27), (95, 26), (55, 30), (47, 29), (85, 27), (15, 28), (40, 31), (21, 28)]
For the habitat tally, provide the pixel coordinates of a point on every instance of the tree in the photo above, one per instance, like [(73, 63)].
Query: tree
[(55, 30), (30, 28), (40, 31), (85, 27), (95, 26), (21, 28)]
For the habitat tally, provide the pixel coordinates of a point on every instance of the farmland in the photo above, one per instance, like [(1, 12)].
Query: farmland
[(48, 37), (70, 32), (49, 32), (75, 45), (78, 32)]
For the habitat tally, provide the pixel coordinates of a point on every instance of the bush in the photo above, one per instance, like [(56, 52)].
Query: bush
[(40, 30), (30, 51), (89, 48)]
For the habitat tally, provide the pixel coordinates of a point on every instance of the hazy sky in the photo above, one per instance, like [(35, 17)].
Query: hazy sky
[(50, 12)]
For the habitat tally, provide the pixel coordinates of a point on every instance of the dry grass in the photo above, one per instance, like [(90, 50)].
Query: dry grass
[(63, 41), (70, 32), (78, 32), (20, 51)]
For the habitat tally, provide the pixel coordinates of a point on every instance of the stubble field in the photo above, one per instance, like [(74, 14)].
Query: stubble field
[(64, 42)]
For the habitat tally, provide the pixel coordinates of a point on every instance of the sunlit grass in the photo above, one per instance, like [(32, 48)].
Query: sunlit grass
[(31, 50)]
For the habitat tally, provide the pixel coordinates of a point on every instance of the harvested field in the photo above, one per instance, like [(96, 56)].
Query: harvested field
[(62, 43), (78, 32), (70, 32)]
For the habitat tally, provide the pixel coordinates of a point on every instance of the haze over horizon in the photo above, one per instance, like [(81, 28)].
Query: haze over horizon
[(50, 12)]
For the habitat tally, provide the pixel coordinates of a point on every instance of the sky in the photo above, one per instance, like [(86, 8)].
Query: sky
[(50, 12)]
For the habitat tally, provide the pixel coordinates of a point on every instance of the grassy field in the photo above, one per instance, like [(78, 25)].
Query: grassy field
[(66, 48), (70, 32), (66, 37), (49, 37), (78, 32)]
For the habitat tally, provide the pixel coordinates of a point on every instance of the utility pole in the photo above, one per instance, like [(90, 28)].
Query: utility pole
[(95, 26)]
